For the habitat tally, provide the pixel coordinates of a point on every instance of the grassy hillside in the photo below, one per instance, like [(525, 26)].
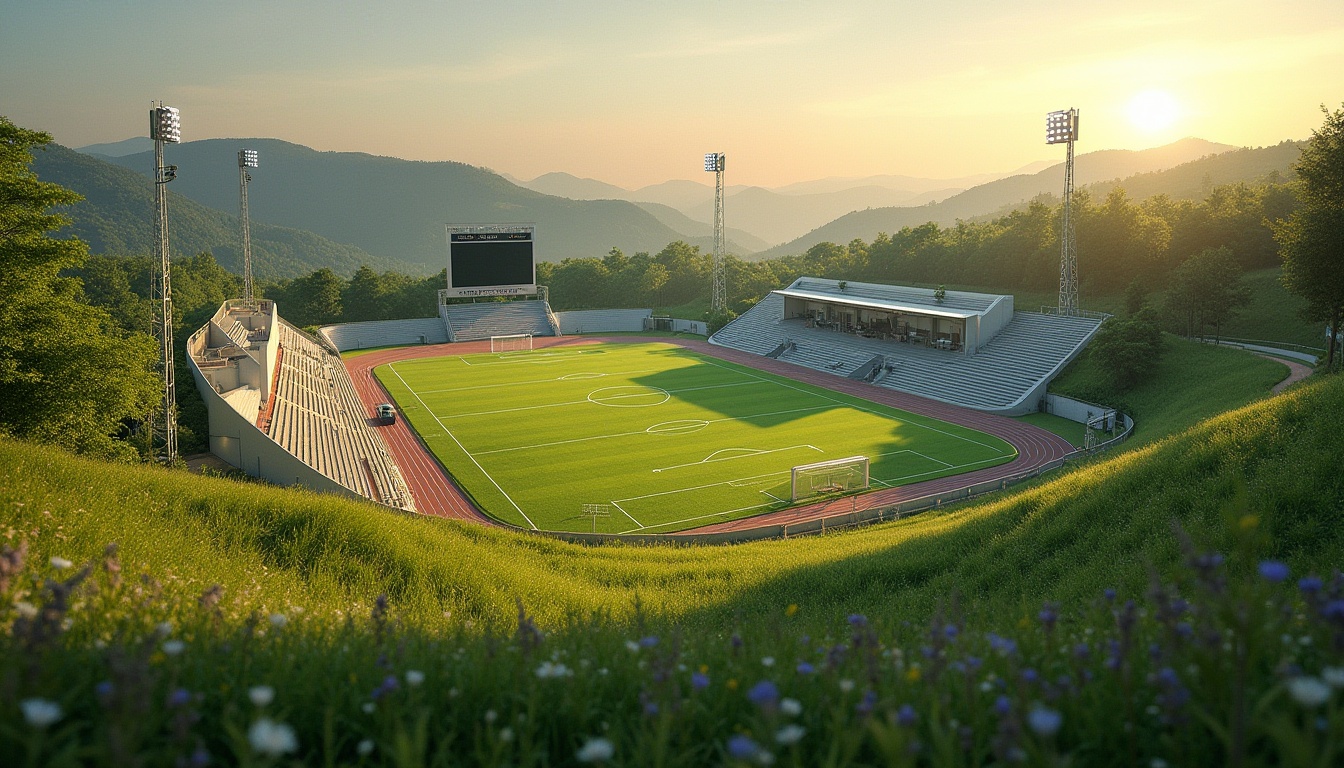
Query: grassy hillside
[(116, 217), (879, 639)]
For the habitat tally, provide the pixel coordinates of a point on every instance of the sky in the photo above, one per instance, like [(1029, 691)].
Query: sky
[(635, 92)]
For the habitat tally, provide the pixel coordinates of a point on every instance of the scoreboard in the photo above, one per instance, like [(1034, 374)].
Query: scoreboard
[(490, 260)]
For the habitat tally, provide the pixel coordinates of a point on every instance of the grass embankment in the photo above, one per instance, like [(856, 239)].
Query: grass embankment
[(1263, 481), (1192, 382)]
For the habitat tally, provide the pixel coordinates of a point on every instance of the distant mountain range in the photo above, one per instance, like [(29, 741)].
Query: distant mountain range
[(397, 209), (1187, 168), (117, 217), (337, 209), (785, 214)]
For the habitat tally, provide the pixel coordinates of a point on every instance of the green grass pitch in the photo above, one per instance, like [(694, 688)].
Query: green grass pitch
[(670, 439)]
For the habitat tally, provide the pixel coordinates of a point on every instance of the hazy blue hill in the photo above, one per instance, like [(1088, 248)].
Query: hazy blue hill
[(1161, 168), (568, 185), (778, 218), (396, 208), (1192, 180), (117, 217), (119, 148), (739, 241)]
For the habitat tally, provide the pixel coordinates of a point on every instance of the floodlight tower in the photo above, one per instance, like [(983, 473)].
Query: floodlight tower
[(165, 126), (247, 158), (718, 302), (1062, 128)]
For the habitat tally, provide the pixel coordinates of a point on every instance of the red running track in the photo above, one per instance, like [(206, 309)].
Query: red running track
[(436, 494)]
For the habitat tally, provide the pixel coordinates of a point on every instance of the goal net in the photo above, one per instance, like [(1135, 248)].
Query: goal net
[(517, 342), (828, 477)]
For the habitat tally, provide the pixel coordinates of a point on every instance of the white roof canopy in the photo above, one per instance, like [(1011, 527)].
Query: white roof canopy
[(879, 304)]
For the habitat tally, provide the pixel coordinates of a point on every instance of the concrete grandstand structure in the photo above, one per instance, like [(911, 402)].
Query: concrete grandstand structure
[(282, 407), (962, 348)]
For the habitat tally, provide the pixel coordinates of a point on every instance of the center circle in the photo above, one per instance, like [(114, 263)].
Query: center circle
[(631, 396)]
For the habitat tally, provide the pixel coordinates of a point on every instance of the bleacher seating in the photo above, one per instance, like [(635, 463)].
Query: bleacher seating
[(385, 333), (1029, 350), (602, 320), (474, 322), (318, 418)]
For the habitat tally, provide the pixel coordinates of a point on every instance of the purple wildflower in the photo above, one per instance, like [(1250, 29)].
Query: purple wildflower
[(865, 706), (764, 695), (1048, 615), (805, 668), (741, 747), (699, 681), (648, 642), (1044, 722), (1002, 705), (1109, 594), (1310, 585), (906, 716), (1273, 570), (180, 697), (857, 620)]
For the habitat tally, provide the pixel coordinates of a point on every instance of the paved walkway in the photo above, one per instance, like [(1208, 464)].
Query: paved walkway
[(1296, 372), (436, 494)]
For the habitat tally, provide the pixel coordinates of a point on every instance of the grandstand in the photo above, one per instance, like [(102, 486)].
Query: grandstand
[(384, 333), (967, 349), (481, 320), (283, 408)]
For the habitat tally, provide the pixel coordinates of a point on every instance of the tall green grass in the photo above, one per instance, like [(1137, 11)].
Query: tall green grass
[(922, 598)]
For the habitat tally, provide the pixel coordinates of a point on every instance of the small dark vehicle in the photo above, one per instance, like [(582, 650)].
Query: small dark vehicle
[(387, 413)]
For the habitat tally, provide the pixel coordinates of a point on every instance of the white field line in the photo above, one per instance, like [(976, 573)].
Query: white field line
[(630, 434), (862, 408), (393, 368), (574, 402), (750, 453), (930, 458), (549, 357), (627, 514), (890, 482), (526, 383)]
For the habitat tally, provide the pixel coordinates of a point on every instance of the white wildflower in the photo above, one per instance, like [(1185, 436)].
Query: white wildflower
[(271, 738), (279, 620), (768, 661), (60, 563), (1310, 692), (165, 628), (490, 716), (40, 712), (368, 707), (846, 685), (550, 670), (261, 695), (790, 734), (506, 735), (26, 609), (791, 707), (414, 677), (1333, 676), (596, 750), (174, 647), (632, 646), (365, 748)]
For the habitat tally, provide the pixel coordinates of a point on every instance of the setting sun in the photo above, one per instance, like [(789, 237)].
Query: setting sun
[(1153, 111)]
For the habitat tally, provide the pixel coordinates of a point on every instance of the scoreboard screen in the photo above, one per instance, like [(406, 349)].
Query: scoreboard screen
[(490, 261)]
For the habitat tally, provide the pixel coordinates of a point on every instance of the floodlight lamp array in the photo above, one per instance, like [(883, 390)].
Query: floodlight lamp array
[(165, 124), (247, 158), (1061, 127), (714, 162)]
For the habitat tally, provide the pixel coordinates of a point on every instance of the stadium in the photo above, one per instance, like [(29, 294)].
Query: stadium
[(575, 423)]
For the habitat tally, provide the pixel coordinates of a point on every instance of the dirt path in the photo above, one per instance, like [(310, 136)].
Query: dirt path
[(436, 494), (1296, 372)]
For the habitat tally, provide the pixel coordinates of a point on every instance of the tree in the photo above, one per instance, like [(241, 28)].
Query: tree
[(1128, 349), (68, 375), (1206, 290), (1311, 241)]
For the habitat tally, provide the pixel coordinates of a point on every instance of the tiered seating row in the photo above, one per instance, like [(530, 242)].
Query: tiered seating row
[(1027, 351), (319, 419), (385, 333), (473, 322)]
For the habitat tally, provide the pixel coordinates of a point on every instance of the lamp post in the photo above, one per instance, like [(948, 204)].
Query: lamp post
[(165, 127), (1062, 128), (247, 158), (718, 302)]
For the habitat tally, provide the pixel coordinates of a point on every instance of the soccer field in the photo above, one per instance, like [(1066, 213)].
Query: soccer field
[(668, 439)]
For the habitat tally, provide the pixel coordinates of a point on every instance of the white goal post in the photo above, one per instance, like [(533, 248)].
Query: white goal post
[(828, 477), (516, 342)]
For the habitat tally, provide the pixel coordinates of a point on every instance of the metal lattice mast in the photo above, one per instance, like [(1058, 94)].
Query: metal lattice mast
[(718, 302), (247, 158), (1062, 128), (164, 127)]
